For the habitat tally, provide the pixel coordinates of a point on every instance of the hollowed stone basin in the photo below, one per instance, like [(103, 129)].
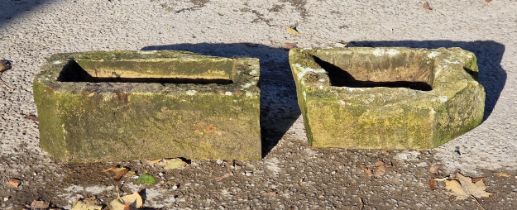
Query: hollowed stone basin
[(386, 98), (124, 105)]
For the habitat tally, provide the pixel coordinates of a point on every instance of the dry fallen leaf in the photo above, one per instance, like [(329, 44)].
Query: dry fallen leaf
[(476, 179), (293, 31), (435, 168), (503, 174), (367, 170), (39, 204), (13, 183), (380, 169), (87, 204), (127, 202), (463, 187), (117, 172), (455, 187), (477, 188), (433, 184), (379, 163), (427, 6)]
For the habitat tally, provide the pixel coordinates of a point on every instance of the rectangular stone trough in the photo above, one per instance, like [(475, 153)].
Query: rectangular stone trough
[(127, 105), (386, 98)]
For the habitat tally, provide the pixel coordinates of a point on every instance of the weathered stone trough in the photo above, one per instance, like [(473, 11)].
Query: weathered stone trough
[(386, 98), (126, 105)]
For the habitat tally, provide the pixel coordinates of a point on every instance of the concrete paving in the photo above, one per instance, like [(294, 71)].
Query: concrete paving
[(291, 174)]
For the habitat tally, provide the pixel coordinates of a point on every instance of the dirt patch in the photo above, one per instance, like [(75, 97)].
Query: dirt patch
[(259, 17), (299, 5), (171, 6), (198, 4), (276, 8), (292, 172)]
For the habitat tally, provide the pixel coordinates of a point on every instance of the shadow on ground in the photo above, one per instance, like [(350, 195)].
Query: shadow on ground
[(9, 9), (279, 108), (278, 105), (489, 54)]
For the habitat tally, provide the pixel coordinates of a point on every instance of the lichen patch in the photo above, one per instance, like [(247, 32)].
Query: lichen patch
[(433, 54), (191, 92), (147, 52)]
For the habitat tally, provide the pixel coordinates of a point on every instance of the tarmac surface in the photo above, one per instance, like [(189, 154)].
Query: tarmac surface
[(292, 174)]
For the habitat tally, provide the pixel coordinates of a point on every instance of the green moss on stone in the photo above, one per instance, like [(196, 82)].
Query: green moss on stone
[(146, 179), (106, 121), (384, 117)]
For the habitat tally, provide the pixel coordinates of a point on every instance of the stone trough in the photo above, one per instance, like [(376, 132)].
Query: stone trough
[(126, 105), (386, 98)]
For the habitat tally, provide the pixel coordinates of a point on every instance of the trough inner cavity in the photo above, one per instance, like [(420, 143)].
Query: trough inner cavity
[(404, 70), (151, 71)]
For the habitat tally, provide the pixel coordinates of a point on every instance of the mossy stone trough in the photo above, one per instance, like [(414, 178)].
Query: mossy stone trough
[(386, 98), (127, 105)]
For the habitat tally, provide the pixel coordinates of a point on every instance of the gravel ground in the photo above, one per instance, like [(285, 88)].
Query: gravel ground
[(291, 175)]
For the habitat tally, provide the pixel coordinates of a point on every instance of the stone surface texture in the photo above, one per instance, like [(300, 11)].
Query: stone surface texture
[(368, 98), (84, 120), (292, 174)]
